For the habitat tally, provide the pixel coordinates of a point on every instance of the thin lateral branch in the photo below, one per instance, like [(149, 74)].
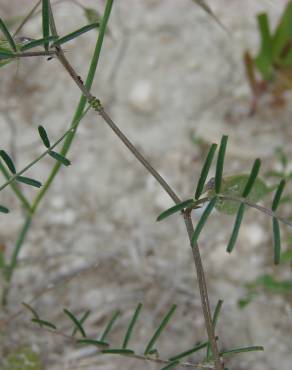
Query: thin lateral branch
[(28, 54), (267, 211), (136, 356)]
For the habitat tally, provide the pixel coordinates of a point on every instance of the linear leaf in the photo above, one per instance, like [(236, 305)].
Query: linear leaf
[(159, 330), (283, 33), (171, 365), (8, 161), (109, 326), (29, 181), (44, 323), (278, 195), (131, 325), (118, 351), (236, 228), (75, 34), (60, 158), (241, 350), (252, 177), (264, 60), (7, 35), (5, 52), (46, 22), (38, 42), (214, 322), (189, 352), (81, 321), (154, 351), (44, 136), (277, 241), (203, 220), (174, 209), (4, 209), (93, 342), (220, 163), (32, 310), (205, 171), (75, 321)]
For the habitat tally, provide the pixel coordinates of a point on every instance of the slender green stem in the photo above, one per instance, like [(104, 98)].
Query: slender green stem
[(11, 267), (81, 105), (14, 187)]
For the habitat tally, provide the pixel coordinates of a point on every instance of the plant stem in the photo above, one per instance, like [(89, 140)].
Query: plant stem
[(82, 101), (10, 268), (190, 230), (188, 222)]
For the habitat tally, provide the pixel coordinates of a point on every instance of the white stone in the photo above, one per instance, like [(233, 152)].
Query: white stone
[(142, 97)]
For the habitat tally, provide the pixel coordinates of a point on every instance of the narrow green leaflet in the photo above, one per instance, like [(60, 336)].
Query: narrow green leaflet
[(234, 351), (283, 34), (252, 178), (8, 161), (202, 221), (93, 342), (4, 209), (75, 321), (278, 195), (220, 163), (81, 321), (205, 171), (264, 60), (32, 310), (29, 181), (109, 326), (236, 228), (277, 241), (178, 207), (60, 158), (46, 22), (118, 351), (188, 352), (38, 42), (44, 323), (7, 35), (75, 34), (159, 330), (44, 136), (131, 325)]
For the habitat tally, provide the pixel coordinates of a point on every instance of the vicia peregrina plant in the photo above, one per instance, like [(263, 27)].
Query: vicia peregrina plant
[(228, 194)]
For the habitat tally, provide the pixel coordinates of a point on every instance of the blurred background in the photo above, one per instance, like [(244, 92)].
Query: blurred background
[(174, 81)]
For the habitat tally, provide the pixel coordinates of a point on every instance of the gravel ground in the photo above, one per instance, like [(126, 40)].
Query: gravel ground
[(174, 82)]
